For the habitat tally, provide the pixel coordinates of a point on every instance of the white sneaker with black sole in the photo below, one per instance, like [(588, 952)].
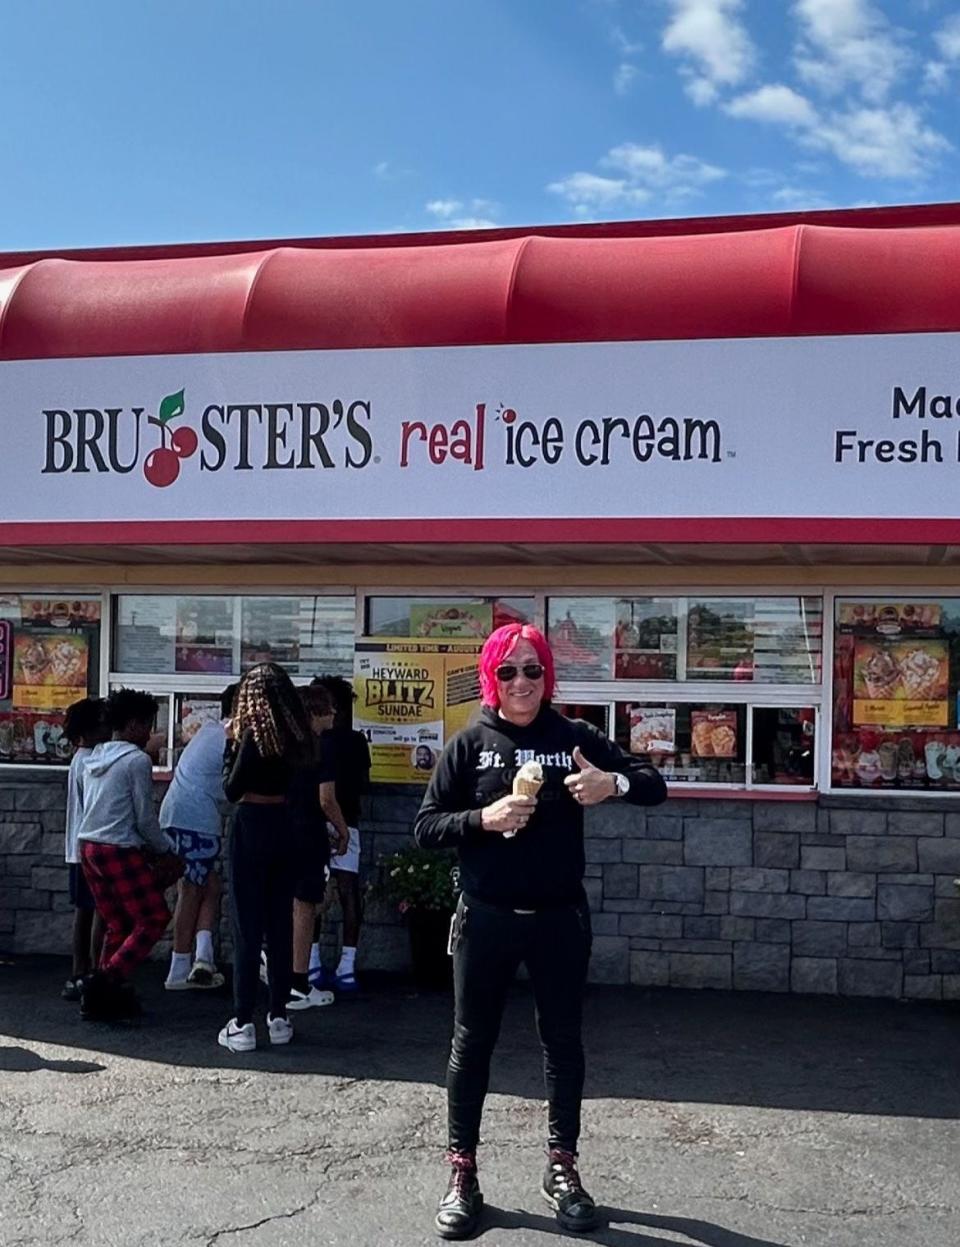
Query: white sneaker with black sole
[(280, 1030), (313, 999), (239, 1038)]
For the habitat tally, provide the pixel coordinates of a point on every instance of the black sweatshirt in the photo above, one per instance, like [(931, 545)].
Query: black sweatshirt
[(543, 864), (245, 769)]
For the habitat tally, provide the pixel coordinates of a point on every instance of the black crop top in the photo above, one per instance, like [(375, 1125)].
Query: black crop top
[(246, 770)]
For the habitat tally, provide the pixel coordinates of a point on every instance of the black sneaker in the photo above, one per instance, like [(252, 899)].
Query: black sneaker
[(459, 1211), (563, 1191)]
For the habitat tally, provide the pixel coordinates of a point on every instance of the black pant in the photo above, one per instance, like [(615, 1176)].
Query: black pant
[(263, 867), (488, 946)]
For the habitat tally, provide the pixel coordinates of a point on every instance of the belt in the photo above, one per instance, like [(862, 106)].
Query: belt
[(472, 903)]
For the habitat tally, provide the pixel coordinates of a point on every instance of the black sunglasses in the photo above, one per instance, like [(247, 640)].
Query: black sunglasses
[(508, 672)]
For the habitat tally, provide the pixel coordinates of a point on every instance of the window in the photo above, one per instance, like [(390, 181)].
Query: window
[(717, 690), (49, 658), (186, 648), (222, 635), (896, 667), (755, 640)]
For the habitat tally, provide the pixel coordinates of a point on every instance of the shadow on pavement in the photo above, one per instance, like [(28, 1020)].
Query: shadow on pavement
[(612, 1234), (840, 1055), (23, 1061)]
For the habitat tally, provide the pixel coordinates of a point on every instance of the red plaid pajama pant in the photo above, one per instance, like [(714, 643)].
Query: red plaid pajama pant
[(128, 899)]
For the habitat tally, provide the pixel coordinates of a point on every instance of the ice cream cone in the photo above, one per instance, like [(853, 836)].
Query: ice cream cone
[(526, 783)]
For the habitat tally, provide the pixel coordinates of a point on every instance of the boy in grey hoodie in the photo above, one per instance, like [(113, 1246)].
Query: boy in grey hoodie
[(120, 844)]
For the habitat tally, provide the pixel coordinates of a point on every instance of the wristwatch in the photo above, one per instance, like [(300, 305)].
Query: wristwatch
[(623, 784)]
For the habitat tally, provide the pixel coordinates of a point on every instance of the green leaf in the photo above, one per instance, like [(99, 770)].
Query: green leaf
[(171, 407)]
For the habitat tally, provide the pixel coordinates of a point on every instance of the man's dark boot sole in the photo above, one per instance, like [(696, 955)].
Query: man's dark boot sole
[(468, 1229), (576, 1225)]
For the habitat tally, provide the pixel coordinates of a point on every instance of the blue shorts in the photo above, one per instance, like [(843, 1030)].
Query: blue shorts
[(80, 895), (198, 849)]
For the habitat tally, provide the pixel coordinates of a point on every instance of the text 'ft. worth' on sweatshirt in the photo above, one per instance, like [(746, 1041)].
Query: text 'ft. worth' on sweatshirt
[(115, 788), (543, 864)]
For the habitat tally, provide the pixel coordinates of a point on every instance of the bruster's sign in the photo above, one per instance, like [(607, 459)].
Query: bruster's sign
[(810, 427)]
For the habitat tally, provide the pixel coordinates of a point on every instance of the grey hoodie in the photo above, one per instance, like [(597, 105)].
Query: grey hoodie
[(115, 787)]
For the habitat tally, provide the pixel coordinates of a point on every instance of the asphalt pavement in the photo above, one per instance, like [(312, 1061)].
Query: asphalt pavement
[(712, 1119)]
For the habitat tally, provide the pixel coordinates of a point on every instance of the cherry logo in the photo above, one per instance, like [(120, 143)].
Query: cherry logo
[(162, 466)]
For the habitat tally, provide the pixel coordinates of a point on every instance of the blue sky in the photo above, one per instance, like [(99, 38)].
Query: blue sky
[(182, 121)]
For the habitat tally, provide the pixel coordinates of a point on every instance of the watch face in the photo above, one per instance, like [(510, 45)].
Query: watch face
[(623, 785)]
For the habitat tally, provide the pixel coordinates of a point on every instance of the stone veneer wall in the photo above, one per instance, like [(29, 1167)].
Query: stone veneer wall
[(843, 895)]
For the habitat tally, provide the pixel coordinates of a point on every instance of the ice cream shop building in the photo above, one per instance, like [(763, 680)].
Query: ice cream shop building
[(717, 460)]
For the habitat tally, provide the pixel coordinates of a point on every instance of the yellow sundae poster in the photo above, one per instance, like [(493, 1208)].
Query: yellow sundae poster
[(49, 669), (412, 696)]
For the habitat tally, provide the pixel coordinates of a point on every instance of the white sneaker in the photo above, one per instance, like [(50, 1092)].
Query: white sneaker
[(176, 985), (312, 999), (239, 1038), (280, 1029), (204, 975), (264, 976)]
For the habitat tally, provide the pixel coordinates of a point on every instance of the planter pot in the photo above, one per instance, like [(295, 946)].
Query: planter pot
[(431, 965)]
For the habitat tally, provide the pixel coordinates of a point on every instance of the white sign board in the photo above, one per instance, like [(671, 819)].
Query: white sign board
[(812, 427)]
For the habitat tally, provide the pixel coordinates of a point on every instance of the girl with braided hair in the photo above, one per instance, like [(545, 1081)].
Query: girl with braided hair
[(269, 743)]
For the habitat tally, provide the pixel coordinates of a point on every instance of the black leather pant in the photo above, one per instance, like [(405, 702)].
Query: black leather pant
[(488, 946)]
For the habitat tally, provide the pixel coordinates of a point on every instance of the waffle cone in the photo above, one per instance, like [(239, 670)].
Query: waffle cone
[(526, 787)]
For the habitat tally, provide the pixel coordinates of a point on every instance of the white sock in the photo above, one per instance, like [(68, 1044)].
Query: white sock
[(179, 966), (205, 946), (347, 958), (316, 961)]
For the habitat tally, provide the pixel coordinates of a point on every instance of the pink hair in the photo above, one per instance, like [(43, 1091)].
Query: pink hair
[(497, 648)]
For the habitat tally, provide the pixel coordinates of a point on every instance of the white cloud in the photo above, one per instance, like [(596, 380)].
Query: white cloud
[(623, 78), (709, 35), (623, 43), (455, 214), (947, 38), (773, 103), (799, 199), (935, 77), (649, 167), (849, 43), (443, 208), (587, 192), (643, 173), (880, 142)]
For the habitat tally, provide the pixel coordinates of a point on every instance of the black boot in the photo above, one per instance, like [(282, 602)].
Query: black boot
[(563, 1191), (104, 998), (459, 1210)]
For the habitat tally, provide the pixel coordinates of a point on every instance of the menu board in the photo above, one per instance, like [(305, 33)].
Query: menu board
[(451, 620), (713, 733), (901, 683), (204, 637), (653, 730), (581, 637), (645, 639), (412, 696), (145, 634)]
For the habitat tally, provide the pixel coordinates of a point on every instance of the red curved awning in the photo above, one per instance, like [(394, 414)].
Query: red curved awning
[(770, 280)]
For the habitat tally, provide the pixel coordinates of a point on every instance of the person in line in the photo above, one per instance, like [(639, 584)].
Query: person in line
[(346, 755), (85, 727), (268, 742), (127, 859), (521, 871), (191, 816), (312, 786)]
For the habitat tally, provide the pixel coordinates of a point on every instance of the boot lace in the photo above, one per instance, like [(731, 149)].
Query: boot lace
[(563, 1166), (463, 1167)]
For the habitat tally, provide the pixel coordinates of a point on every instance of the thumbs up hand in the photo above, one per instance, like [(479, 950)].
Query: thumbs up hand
[(590, 785)]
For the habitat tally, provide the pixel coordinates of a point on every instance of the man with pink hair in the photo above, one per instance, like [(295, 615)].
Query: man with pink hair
[(523, 901)]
